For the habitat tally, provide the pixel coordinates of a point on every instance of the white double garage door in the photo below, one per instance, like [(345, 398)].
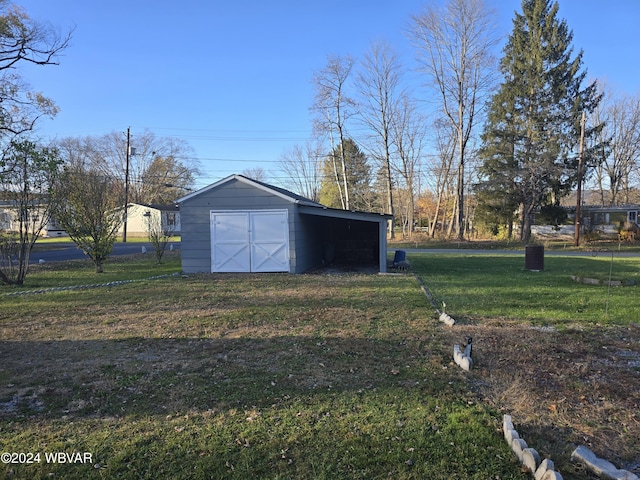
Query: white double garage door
[(250, 241)]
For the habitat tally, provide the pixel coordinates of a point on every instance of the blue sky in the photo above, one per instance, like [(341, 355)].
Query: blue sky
[(234, 78)]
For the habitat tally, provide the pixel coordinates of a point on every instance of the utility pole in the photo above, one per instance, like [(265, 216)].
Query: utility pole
[(579, 191), (126, 188)]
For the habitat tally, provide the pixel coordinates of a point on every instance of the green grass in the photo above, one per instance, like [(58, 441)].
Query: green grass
[(271, 376), (477, 286), (341, 435), (82, 272), (238, 376)]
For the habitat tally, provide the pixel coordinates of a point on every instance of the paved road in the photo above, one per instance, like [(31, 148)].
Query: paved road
[(62, 251)]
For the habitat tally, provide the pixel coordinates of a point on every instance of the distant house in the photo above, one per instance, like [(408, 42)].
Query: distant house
[(612, 221), (594, 216), (137, 220), (138, 216), (9, 221), (243, 225), (609, 220)]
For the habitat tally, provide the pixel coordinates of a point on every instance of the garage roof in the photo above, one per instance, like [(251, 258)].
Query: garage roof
[(307, 206), (280, 192)]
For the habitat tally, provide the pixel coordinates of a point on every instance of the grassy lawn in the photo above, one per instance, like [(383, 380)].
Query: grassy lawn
[(563, 358), (312, 376), (498, 286)]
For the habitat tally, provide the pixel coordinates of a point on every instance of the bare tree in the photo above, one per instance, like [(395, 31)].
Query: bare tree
[(24, 41), (454, 48), (333, 107), (378, 83), (302, 169), (255, 173), (408, 133), (442, 171), (159, 232), (621, 116), (160, 168)]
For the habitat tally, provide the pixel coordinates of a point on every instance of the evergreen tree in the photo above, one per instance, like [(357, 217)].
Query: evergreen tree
[(533, 130), (358, 181)]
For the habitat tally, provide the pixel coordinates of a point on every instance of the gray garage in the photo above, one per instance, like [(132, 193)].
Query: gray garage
[(243, 225)]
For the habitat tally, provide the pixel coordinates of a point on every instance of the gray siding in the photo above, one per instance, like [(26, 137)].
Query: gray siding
[(315, 234), (195, 215)]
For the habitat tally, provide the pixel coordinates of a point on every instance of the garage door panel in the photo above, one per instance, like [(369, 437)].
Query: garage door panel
[(269, 241), (231, 228), (269, 257), (269, 227), (230, 242), (250, 241), (232, 258)]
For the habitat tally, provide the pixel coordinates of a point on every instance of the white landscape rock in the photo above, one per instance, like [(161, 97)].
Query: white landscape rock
[(600, 466), (551, 475), (530, 459), (543, 468), (518, 446), (446, 318), (462, 360), (507, 424), (509, 435)]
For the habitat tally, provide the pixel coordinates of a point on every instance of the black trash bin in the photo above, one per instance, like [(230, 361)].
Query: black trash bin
[(534, 257)]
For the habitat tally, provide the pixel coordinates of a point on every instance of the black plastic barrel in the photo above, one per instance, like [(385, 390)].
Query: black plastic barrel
[(534, 257)]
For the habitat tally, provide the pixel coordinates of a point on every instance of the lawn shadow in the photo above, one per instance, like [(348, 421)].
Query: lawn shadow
[(140, 376)]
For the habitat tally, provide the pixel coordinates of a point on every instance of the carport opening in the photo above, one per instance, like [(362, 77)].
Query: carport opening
[(349, 243)]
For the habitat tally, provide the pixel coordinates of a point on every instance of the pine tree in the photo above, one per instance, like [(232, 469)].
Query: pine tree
[(533, 129), (358, 178)]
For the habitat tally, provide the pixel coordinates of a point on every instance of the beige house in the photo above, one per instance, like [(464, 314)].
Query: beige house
[(139, 216)]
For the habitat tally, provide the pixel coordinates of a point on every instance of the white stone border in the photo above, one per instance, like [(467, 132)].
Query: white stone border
[(84, 287), (599, 466), (529, 457), (463, 359)]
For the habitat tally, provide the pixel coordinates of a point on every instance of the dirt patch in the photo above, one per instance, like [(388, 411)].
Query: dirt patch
[(563, 388)]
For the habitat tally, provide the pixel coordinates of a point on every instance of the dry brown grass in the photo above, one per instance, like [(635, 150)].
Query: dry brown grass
[(564, 388)]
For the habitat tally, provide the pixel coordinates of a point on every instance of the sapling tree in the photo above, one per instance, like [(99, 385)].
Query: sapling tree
[(27, 174), (160, 230), (89, 211)]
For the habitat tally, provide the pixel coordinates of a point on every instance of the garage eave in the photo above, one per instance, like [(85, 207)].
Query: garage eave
[(344, 214)]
